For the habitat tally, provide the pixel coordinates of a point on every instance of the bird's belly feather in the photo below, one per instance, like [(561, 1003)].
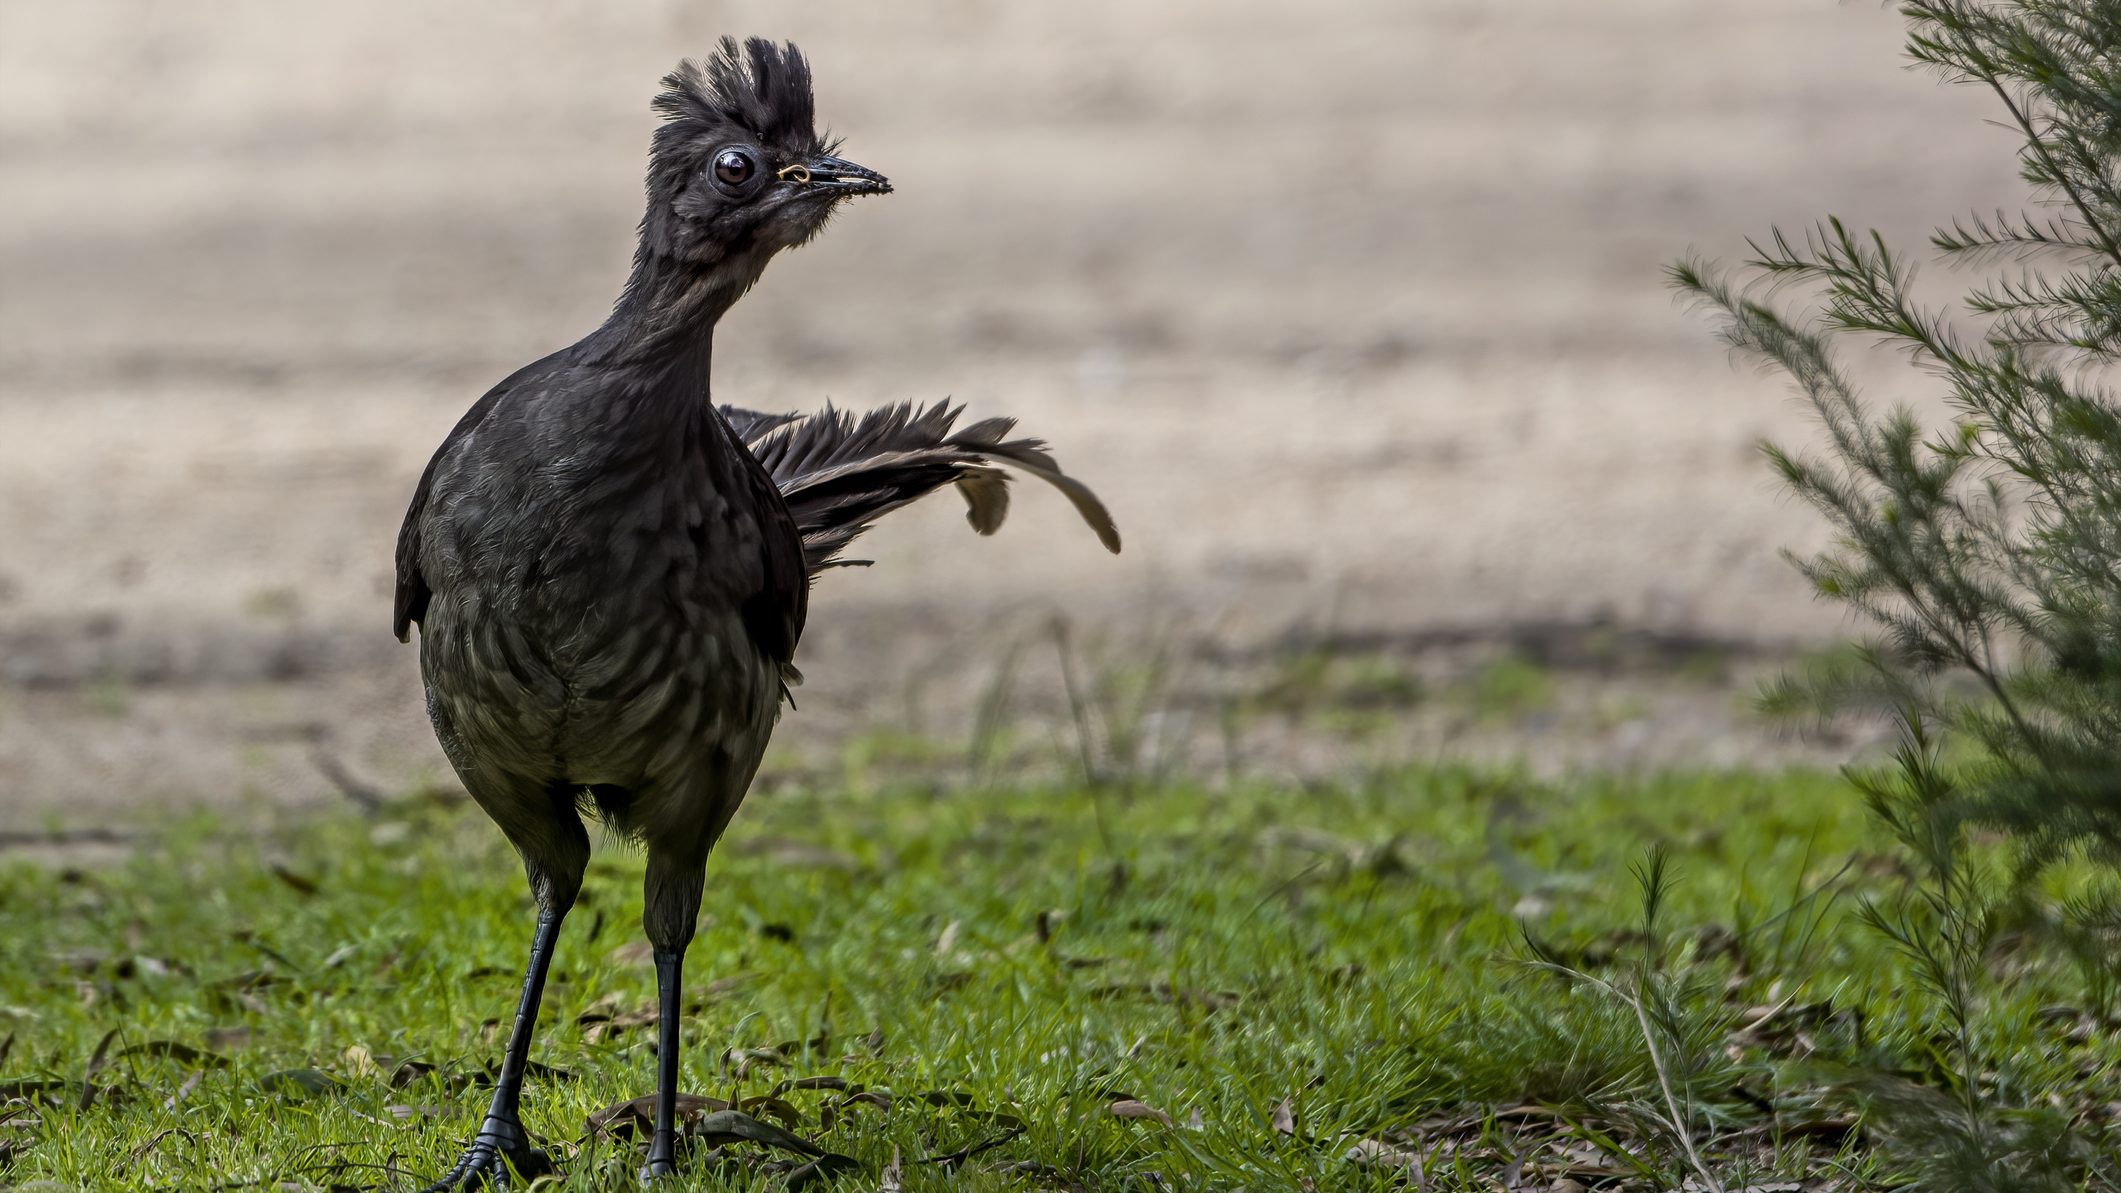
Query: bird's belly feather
[(634, 701)]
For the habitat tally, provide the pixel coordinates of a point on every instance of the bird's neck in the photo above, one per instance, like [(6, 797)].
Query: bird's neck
[(663, 322)]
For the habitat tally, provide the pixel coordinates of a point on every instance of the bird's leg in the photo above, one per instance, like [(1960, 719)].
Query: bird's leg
[(669, 988), (670, 911), (503, 1124), (502, 1144)]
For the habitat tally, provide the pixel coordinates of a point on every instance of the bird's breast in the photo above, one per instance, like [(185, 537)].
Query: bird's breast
[(593, 621)]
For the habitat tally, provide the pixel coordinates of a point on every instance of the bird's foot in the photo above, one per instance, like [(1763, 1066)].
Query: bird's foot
[(500, 1152)]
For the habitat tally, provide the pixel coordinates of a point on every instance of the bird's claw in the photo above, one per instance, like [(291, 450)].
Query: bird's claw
[(499, 1153)]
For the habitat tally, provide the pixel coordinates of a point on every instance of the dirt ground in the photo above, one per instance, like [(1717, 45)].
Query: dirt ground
[(1351, 309)]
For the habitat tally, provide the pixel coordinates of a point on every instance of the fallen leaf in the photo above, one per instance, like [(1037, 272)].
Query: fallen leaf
[(141, 963), (635, 1117), (771, 1106), (360, 1062), (725, 1126), (95, 1065), (1130, 1108), (829, 1114), (48, 1092), (300, 1083), (824, 1168), (741, 1061), (183, 1054), (409, 1070), (1377, 1153)]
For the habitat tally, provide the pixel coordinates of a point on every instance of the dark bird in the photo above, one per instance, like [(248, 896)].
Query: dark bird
[(610, 573)]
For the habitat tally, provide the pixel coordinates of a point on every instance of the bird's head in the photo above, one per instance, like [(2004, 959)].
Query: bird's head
[(738, 171)]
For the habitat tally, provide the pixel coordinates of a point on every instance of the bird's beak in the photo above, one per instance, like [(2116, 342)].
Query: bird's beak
[(836, 178)]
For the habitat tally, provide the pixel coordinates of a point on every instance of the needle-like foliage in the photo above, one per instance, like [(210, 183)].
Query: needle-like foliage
[(1983, 548)]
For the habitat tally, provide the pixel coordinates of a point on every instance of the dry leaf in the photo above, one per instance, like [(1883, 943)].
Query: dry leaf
[(183, 1054), (1130, 1108), (300, 1083), (635, 1118), (360, 1062), (1381, 1154)]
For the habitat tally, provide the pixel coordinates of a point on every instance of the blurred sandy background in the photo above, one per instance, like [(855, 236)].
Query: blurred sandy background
[(1351, 309)]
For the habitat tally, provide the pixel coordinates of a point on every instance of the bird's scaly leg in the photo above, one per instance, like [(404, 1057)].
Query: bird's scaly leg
[(502, 1148), (669, 987), (669, 913)]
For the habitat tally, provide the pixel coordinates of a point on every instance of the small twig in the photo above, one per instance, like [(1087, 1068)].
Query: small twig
[(369, 798), (184, 1091), (966, 1153), (140, 1153)]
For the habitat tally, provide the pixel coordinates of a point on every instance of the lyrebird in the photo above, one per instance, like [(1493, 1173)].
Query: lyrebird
[(610, 573)]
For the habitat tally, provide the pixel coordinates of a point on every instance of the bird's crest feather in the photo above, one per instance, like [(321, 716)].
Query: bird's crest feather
[(758, 87)]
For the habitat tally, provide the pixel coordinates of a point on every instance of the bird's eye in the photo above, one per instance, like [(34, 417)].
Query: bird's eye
[(734, 167)]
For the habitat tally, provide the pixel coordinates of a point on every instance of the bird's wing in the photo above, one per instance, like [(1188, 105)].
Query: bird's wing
[(410, 603), (839, 472), (774, 614)]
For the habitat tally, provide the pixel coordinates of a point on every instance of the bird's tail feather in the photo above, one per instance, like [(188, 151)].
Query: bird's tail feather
[(840, 472)]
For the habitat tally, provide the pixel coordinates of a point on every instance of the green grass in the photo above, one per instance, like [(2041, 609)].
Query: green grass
[(1302, 988)]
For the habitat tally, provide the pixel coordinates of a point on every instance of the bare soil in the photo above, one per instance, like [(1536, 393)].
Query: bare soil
[(1352, 310)]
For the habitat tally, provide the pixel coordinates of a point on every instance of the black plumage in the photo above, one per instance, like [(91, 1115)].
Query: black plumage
[(839, 473), (611, 574)]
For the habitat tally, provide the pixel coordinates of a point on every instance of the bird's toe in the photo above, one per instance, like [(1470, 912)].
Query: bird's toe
[(487, 1164)]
